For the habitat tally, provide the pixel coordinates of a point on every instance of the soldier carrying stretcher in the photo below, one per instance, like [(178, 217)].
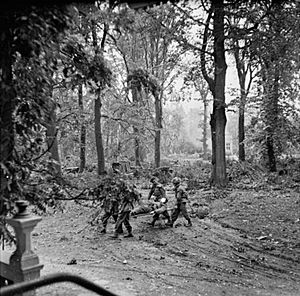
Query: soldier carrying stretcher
[(160, 201)]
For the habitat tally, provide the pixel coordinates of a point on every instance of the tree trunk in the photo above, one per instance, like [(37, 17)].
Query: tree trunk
[(52, 143), (7, 105), (205, 121), (82, 130), (241, 132), (98, 136), (242, 105), (158, 123), (137, 144), (98, 104), (240, 67), (137, 147), (218, 118), (272, 120), (158, 96)]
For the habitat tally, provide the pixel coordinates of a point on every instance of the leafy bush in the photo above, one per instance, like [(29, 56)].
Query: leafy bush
[(195, 175)]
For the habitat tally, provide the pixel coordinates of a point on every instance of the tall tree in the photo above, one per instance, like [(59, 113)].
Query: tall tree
[(98, 103), (217, 88), (240, 30), (275, 46), (244, 69), (146, 44), (99, 73), (82, 129)]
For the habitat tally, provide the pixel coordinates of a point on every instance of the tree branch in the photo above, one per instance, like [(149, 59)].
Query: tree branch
[(208, 79)]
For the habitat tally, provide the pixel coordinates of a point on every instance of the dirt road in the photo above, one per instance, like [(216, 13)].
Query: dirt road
[(248, 245)]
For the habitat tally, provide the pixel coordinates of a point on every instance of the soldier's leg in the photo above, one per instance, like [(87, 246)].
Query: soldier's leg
[(118, 225), (104, 220), (154, 218), (185, 213), (127, 224), (175, 214), (115, 216), (167, 216)]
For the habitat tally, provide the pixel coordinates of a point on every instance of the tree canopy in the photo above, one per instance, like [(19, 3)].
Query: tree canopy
[(87, 84)]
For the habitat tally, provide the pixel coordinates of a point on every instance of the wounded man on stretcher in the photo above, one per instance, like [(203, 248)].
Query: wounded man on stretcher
[(150, 207)]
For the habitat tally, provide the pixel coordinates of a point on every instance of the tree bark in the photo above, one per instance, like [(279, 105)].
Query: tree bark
[(82, 130), (158, 122), (271, 119), (98, 135), (137, 144), (241, 132), (218, 117), (137, 147), (217, 88), (205, 122), (240, 67)]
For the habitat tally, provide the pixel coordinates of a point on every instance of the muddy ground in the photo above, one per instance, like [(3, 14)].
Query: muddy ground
[(249, 244)]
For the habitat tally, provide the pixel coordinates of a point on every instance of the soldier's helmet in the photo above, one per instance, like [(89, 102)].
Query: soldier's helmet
[(176, 181)]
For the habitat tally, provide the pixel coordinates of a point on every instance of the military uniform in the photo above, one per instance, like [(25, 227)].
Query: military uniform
[(181, 201), (111, 209), (160, 208), (157, 191), (130, 196), (112, 201)]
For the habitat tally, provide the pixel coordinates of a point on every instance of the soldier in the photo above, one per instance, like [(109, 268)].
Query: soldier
[(160, 208), (181, 201), (160, 201), (112, 200), (157, 190), (130, 196), (110, 206)]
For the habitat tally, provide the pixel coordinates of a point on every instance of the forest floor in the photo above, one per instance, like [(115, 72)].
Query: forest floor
[(249, 244)]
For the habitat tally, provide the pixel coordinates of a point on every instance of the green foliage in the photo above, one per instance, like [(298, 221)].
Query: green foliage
[(141, 79), (196, 175), (82, 63), (274, 46), (36, 28), (35, 36), (285, 132)]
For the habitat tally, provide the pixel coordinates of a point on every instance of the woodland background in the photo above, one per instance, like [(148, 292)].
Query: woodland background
[(89, 84)]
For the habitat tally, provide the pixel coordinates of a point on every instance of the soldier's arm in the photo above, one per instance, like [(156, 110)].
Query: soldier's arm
[(180, 195), (163, 192), (184, 195)]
